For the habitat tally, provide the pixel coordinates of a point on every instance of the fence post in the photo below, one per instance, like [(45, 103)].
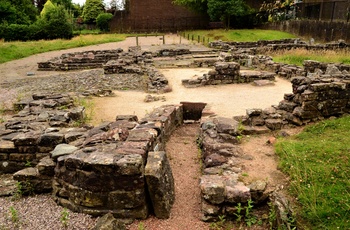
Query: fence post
[(199, 38), (192, 37), (163, 40), (137, 40)]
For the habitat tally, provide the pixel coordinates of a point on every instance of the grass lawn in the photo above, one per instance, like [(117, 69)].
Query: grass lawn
[(245, 35), (297, 56), (15, 50), (318, 162)]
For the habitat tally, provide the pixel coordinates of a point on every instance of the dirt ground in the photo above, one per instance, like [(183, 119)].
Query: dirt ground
[(222, 100)]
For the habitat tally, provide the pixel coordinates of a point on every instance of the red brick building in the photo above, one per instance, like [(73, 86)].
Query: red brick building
[(156, 15)]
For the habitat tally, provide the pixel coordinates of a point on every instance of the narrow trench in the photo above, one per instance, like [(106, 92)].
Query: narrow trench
[(184, 158)]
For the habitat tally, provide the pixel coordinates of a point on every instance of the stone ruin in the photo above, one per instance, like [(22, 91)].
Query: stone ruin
[(113, 167), (228, 73), (118, 167), (131, 63)]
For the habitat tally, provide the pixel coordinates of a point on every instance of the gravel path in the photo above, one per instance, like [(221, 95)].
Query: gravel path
[(183, 155)]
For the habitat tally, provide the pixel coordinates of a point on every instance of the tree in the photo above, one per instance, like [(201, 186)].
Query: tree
[(195, 5), (103, 20), (68, 5), (48, 6), (54, 22), (217, 9), (223, 10), (277, 10), (92, 9), (17, 12)]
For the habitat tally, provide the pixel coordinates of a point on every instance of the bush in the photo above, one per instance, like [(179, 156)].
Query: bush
[(53, 25), (103, 20), (14, 32)]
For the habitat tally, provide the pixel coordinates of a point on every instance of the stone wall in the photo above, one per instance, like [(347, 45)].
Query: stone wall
[(221, 189), (110, 176), (132, 64), (41, 124), (117, 167), (273, 45), (227, 73), (80, 60), (314, 98)]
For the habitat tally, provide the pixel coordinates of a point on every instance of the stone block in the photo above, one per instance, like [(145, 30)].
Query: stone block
[(7, 147), (73, 136), (227, 125), (212, 188), (50, 139), (46, 166), (129, 165), (62, 150), (26, 139), (209, 209), (108, 222), (22, 157), (160, 183), (238, 193), (4, 156), (274, 124), (142, 135), (126, 118), (122, 199)]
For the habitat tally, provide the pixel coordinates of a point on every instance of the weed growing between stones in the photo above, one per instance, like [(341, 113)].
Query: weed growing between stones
[(64, 219), (88, 112), (272, 215), (18, 192), (249, 218), (14, 215), (141, 226)]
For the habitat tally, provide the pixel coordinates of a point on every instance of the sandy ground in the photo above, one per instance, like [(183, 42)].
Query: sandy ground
[(223, 100)]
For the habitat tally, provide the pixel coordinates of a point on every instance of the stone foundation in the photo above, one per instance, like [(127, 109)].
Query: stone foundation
[(41, 124), (221, 189), (228, 73), (313, 99)]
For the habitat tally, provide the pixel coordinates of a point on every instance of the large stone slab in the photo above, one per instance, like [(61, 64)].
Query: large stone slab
[(160, 182)]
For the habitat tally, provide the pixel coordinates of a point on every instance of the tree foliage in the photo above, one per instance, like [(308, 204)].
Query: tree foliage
[(92, 9), (276, 10), (17, 11), (223, 10), (103, 20), (195, 5), (55, 22), (217, 9), (48, 6)]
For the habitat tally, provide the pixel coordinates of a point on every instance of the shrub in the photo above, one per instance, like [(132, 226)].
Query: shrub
[(15, 32), (103, 20), (54, 23)]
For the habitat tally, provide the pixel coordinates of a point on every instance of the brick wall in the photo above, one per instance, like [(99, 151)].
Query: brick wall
[(156, 15)]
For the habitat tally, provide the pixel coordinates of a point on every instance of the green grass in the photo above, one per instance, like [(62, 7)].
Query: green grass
[(15, 50), (240, 35), (297, 56), (318, 163)]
